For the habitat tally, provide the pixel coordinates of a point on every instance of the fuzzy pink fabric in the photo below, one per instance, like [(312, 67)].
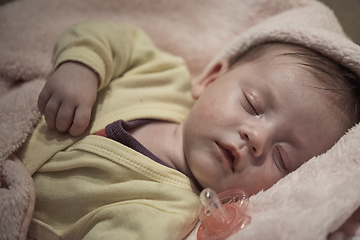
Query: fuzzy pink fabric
[(310, 203), (17, 200)]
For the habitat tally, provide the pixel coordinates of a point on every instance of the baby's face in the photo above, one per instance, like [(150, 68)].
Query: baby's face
[(256, 123)]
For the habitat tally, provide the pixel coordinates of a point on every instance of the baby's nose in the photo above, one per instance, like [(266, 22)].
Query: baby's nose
[(257, 140)]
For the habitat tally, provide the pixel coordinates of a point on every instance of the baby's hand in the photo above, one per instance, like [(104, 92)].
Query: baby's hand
[(68, 96)]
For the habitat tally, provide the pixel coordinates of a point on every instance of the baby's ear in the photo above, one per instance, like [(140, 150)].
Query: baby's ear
[(214, 72)]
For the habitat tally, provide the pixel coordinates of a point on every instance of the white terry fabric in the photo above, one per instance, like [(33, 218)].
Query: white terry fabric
[(314, 26)]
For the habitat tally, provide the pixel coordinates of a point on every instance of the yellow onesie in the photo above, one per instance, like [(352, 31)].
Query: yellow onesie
[(92, 187)]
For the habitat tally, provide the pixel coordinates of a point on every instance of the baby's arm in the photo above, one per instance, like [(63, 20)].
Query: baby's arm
[(68, 96), (87, 57)]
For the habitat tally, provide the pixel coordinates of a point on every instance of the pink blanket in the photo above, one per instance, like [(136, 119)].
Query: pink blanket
[(310, 203)]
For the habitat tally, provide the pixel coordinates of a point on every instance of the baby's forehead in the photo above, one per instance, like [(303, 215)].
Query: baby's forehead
[(268, 51), (278, 57), (316, 68)]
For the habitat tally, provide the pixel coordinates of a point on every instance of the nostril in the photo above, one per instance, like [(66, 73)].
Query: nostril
[(246, 137), (254, 149)]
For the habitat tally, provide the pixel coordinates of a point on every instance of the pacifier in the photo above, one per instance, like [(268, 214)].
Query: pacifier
[(223, 214)]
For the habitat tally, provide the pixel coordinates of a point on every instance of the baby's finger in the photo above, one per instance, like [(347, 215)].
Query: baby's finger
[(50, 113), (43, 98), (81, 121), (64, 117)]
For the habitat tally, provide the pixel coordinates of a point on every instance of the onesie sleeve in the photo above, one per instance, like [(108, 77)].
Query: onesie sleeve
[(108, 48)]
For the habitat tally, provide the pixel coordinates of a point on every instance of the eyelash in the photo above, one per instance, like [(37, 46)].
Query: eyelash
[(280, 160), (251, 106)]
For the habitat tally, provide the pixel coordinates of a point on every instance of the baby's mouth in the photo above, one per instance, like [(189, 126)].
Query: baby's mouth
[(226, 155)]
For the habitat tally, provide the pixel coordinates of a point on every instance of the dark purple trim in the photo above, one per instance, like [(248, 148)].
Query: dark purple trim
[(118, 131)]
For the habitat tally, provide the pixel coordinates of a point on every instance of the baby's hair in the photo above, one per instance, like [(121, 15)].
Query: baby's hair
[(333, 76)]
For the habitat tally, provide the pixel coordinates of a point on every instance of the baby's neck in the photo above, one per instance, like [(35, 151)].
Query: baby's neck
[(164, 140)]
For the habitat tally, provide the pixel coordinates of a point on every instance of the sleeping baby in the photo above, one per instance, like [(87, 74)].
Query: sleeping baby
[(129, 140)]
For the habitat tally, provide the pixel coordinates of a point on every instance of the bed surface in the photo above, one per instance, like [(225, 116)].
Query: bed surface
[(346, 11)]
